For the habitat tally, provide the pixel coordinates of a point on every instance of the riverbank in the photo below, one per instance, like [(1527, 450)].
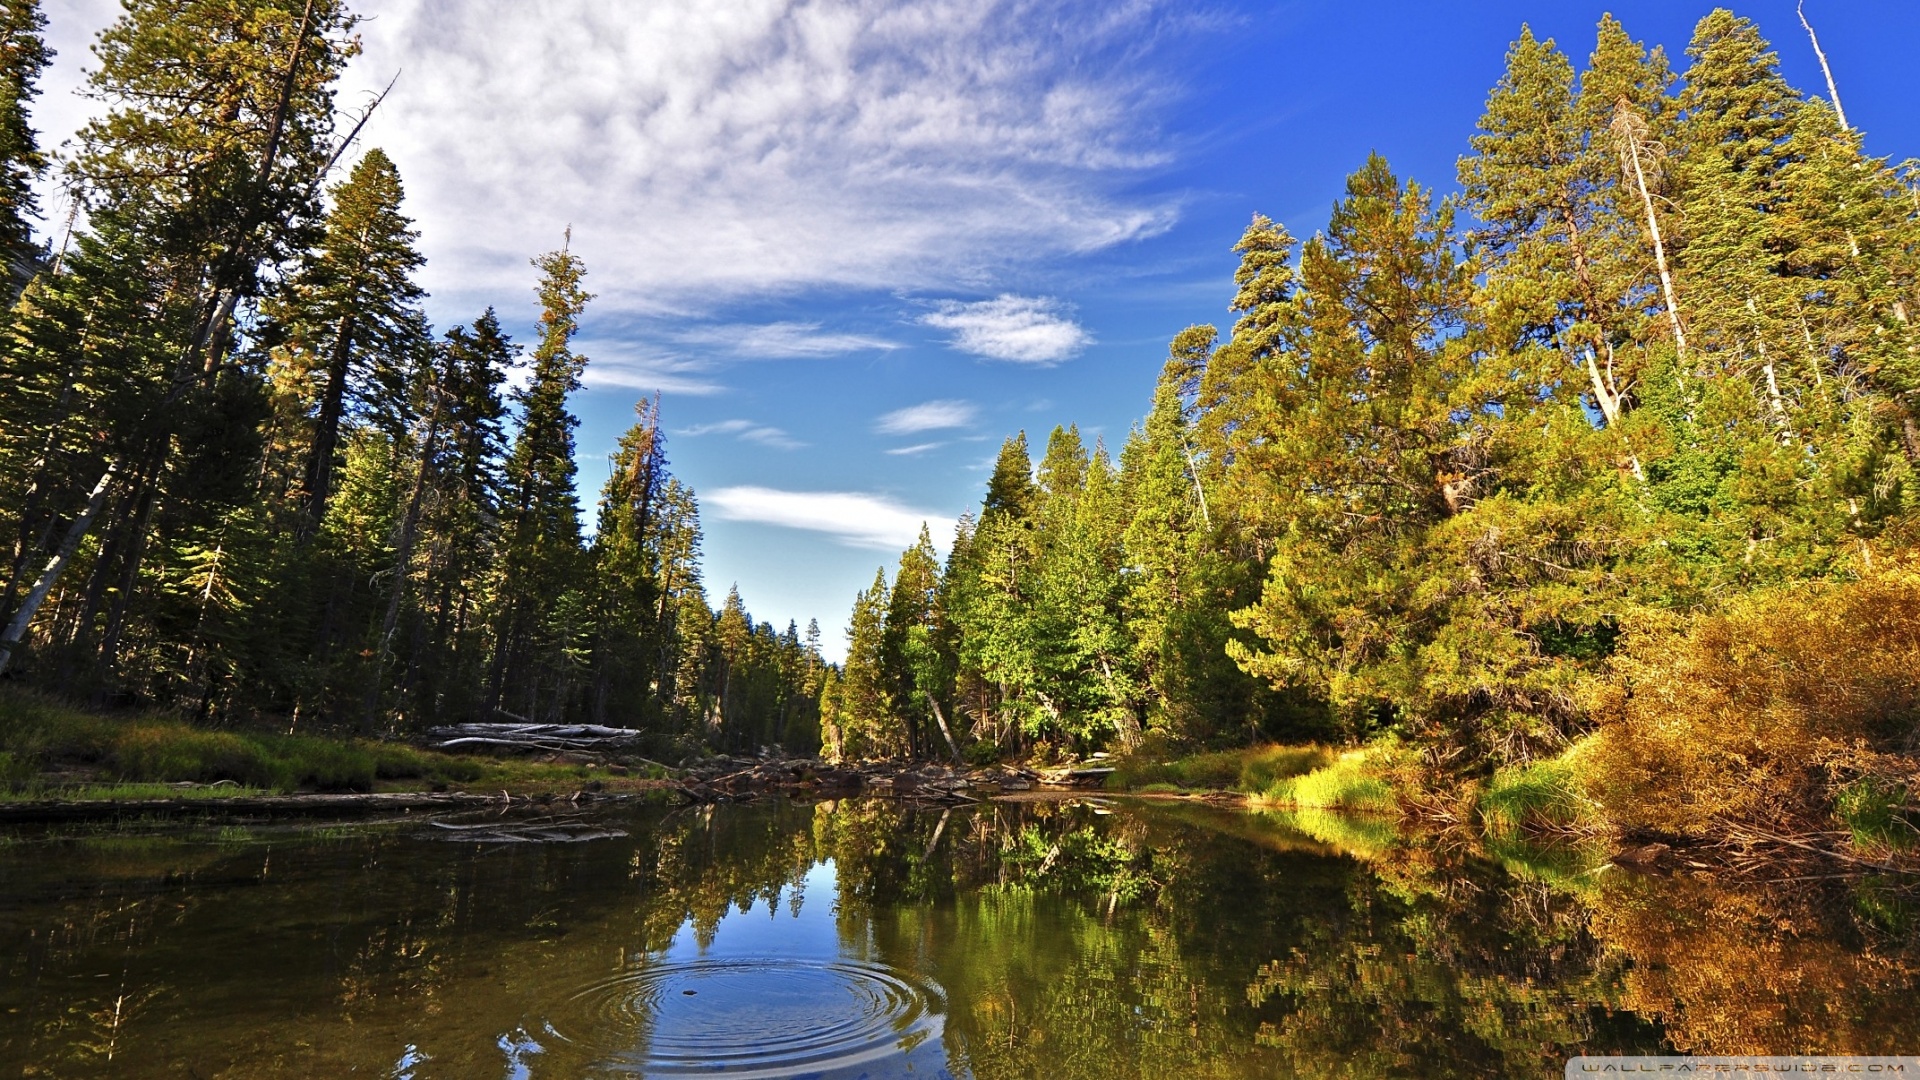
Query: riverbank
[(1565, 801), (58, 762), (52, 753), (63, 763)]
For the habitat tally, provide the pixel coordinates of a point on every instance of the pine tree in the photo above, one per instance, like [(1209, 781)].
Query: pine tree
[(23, 56), (1010, 490), (1556, 268), (353, 314), (732, 672), (540, 530), (866, 704), (1385, 423), (1186, 578), (625, 561), (1084, 664), (129, 351), (993, 595), (1228, 380), (1624, 108), (919, 670)]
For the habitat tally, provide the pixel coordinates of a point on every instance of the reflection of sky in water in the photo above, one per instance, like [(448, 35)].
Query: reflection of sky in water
[(778, 991), (777, 929)]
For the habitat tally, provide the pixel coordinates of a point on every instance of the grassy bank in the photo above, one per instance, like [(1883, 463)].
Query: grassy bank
[(1311, 776), (49, 749)]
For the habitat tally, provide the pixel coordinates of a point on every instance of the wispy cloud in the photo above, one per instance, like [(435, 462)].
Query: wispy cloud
[(613, 365), (1020, 329), (745, 431), (927, 416), (854, 519), (781, 340), (915, 449), (707, 152)]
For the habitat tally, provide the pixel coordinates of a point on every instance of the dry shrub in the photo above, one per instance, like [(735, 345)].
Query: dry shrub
[(1758, 714)]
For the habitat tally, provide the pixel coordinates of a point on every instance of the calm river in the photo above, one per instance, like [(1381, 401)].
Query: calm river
[(1056, 940)]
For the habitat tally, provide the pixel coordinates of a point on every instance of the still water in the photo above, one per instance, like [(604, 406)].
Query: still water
[(873, 939)]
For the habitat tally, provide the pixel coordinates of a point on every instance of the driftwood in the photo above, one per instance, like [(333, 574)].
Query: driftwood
[(550, 738)]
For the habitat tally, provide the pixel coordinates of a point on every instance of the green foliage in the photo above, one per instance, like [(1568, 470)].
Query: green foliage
[(1464, 471), (1537, 796), (23, 56), (1357, 780), (1253, 770), (41, 733), (1879, 814)]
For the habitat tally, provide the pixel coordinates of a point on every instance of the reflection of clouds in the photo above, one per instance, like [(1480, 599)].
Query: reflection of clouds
[(854, 519)]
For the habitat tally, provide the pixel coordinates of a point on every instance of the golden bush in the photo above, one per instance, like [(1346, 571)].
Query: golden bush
[(1758, 713)]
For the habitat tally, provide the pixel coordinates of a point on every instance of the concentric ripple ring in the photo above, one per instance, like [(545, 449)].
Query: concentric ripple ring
[(740, 1017)]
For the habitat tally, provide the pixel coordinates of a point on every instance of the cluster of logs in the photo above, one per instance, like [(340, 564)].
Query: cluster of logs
[(738, 778), (551, 738)]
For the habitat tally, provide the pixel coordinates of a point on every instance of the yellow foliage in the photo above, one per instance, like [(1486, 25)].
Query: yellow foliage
[(1756, 713), (1734, 968)]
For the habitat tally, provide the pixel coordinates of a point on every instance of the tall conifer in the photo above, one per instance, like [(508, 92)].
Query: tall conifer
[(23, 56), (540, 530)]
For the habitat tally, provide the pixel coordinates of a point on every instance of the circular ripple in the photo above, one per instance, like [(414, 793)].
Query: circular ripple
[(757, 1017)]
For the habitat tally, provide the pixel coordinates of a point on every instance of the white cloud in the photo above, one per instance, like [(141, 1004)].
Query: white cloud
[(857, 520), (613, 365), (1022, 329), (927, 416), (745, 431), (915, 449), (781, 340), (704, 152)]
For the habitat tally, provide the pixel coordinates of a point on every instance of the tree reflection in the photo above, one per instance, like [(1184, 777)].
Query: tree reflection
[(1071, 939)]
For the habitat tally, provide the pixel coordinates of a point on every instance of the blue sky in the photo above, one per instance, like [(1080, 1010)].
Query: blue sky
[(855, 244)]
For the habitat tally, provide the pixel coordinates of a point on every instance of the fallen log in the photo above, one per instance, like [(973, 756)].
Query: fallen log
[(547, 738)]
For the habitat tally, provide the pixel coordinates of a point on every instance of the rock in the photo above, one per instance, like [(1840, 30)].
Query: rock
[(1641, 855)]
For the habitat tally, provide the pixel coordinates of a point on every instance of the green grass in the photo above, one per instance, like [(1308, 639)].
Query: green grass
[(1540, 796), (1871, 809), (39, 736), (124, 792), (1252, 770), (1350, 782)]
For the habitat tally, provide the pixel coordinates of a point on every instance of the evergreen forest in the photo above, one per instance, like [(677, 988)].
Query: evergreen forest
[(241, 476), (1603, 465), (1601, 468)]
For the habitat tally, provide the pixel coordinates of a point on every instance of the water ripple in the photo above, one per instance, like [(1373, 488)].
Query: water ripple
[(741, 1017)]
